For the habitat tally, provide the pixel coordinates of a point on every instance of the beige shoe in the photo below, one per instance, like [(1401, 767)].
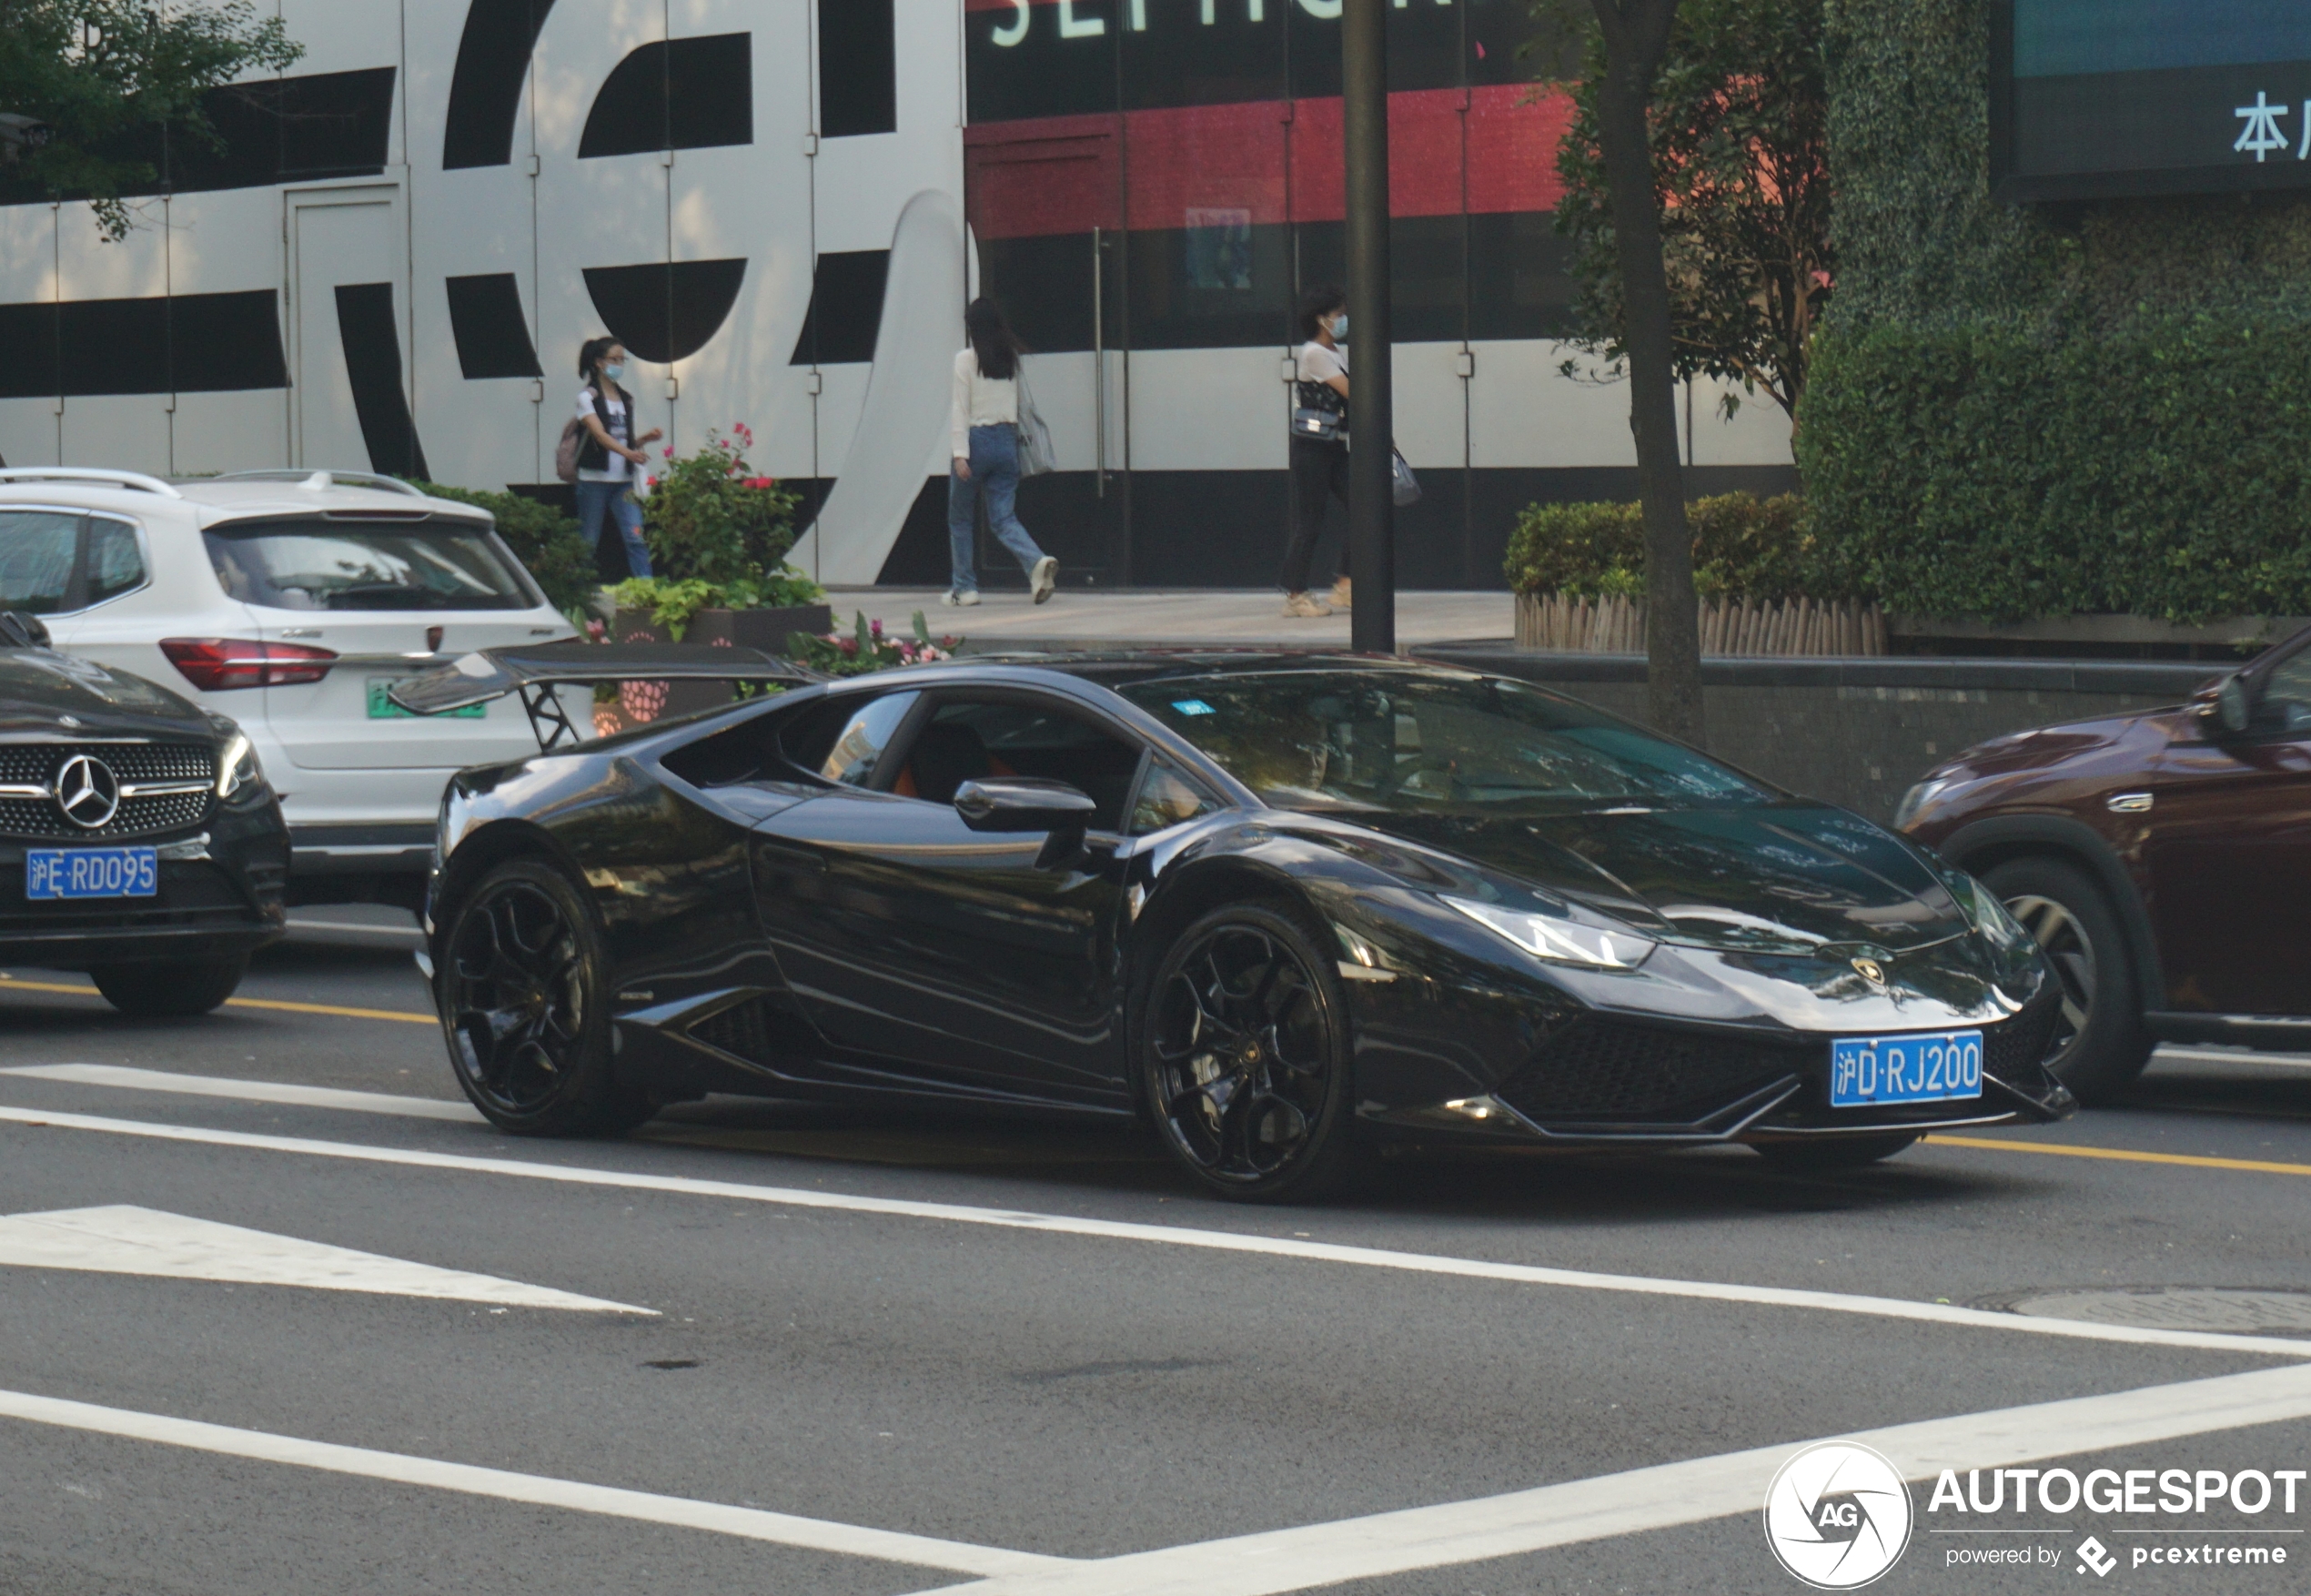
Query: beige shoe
[(1342, 597), (1301, 607)]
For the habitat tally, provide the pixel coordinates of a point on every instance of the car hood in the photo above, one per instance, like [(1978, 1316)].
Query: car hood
[(39, 687), (1768, 878)]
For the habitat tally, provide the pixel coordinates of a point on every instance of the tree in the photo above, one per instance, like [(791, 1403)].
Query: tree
[(81, 80), (1739, 137), (1633, 38)]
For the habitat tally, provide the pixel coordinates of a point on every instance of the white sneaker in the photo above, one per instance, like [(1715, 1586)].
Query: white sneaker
[(954, 601), (1301, 607), (1043, 578)]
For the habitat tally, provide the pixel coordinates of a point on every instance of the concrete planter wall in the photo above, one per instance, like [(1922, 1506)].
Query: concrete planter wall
[(1855, 733)]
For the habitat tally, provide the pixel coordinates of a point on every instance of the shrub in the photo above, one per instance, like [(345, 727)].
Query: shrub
[(1743, 548), (544, 539), (2162, 471), (710, 517)]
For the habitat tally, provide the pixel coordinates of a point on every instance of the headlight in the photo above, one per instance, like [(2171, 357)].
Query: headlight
[(1558, 940), (237, 767), (1914, 803)]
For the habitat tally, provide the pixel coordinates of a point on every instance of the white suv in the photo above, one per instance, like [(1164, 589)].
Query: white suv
[(290, 601)]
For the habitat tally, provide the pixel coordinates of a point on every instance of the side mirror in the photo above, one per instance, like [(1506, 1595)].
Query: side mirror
[(1023, 804), (20, 629), (2234, 705)]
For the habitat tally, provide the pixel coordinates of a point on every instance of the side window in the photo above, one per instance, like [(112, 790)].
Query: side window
[(841, 740), (2287, 694), (969, 738), (36, 550), (116, 562), (1166, 798)]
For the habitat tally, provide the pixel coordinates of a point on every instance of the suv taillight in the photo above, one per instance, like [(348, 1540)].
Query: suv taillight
[(219, 664)]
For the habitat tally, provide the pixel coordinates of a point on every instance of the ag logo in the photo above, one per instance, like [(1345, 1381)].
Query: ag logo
[(1837, 1515)]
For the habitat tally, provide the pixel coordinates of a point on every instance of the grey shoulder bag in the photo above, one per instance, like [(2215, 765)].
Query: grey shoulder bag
[(1037, 455)]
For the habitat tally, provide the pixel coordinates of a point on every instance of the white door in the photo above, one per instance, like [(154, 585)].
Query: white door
[(346, 253)]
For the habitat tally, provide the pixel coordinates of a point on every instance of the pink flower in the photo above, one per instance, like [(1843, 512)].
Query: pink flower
[(594, 629), (759, 483), (849, 645), (874, 629), (670, 451)]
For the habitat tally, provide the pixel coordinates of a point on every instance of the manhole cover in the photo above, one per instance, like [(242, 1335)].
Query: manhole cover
[(2173, 1308)]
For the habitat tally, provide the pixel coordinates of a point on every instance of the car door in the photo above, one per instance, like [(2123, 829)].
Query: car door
[(2229, 857), (949, 955)]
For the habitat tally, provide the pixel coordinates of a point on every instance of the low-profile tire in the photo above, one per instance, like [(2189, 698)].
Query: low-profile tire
[(1830, 1154), (170, 989), (2100, 1043), (1243, 1054), (521, 984)]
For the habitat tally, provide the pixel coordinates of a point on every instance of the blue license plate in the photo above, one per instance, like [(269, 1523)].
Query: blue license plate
[(1933, 1067), (91, 873)]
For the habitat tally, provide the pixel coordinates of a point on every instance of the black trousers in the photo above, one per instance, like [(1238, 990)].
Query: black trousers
[(1318, 471)]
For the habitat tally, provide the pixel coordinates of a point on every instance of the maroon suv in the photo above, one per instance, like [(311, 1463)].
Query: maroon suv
[(2162, 860)]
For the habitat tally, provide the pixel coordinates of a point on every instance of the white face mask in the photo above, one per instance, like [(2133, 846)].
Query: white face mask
[(614, 370)]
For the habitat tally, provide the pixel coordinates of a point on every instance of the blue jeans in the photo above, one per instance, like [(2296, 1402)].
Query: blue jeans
[(598, 500), (994, 470)]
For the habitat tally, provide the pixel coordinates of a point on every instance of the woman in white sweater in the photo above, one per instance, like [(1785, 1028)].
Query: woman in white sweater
[(985, 422)]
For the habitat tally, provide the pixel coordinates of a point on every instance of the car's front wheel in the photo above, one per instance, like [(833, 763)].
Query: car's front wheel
[(2099, 1044), (1243, 1051), (170, 988), (520, 987)]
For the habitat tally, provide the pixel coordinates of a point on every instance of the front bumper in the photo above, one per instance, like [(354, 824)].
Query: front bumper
[(220, 893)]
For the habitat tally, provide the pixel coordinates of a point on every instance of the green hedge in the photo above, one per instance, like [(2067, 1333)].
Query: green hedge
[(542, 537), (1743, 546), (2165, 471)]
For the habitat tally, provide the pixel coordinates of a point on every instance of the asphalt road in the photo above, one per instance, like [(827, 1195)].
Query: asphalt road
[(813, 1351)]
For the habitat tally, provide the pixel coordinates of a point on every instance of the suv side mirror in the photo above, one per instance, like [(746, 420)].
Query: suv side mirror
[(2234, 704)]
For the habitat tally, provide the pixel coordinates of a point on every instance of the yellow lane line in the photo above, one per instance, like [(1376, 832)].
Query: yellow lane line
[(2123, 1155), (10, 983)]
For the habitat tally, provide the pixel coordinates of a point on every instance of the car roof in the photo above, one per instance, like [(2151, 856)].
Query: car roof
[(252, 496)]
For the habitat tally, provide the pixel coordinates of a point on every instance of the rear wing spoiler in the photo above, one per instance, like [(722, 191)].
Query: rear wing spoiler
[(535, 671)]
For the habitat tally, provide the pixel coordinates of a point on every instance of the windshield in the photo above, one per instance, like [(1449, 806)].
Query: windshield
[(1396, 740), (338, 565)]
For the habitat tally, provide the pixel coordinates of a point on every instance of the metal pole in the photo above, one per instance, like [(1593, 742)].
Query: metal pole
[(1364, 60)]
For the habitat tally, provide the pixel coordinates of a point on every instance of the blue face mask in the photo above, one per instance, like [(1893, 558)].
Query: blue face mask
[(1340, 327), (614, 371)]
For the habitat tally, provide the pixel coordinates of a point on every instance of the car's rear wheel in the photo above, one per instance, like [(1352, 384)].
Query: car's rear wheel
[(521, 989), (1244, 1050), (1834, 1153), (2099, 1044), (170, 988)]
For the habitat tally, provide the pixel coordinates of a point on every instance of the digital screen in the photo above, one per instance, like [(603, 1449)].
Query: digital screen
[(2095, 98)]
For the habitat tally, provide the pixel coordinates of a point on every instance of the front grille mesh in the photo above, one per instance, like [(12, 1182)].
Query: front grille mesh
[(1602, 1069), (25, 763), (2013, 1048)]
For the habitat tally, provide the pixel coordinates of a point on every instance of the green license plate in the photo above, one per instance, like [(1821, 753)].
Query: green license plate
[(382, 708)]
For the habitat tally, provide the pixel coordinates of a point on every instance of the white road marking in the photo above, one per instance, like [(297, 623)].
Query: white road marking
[(1177, 1235), (1657, 1498), (158, 1080), (753, 1523), (2233, 1056), (127, 1240)]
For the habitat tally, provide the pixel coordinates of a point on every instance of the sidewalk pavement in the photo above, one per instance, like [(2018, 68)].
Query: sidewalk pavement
[(1167, 618)]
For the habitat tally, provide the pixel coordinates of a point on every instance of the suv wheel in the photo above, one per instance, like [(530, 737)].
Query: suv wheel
[(2099, 1044)]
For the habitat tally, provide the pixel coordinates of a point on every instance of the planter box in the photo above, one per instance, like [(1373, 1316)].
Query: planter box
[(1728, 626), (767, 629)]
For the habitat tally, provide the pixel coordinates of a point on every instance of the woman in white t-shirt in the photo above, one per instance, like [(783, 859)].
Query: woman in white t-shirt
[(606, 461), (1319, 470), (983, 423)]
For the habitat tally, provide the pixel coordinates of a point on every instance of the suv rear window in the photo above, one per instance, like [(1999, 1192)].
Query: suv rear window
[(317, 564)]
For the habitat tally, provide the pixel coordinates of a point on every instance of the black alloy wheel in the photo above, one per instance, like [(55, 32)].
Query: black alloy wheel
[(2099, 1044), (1245, 1057), (170, 989), (520, 986), (1829, 1155)]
